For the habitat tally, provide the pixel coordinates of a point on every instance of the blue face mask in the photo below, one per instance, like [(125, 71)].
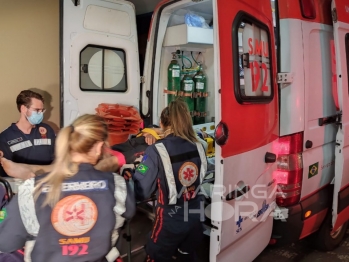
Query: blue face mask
[(35, 118)]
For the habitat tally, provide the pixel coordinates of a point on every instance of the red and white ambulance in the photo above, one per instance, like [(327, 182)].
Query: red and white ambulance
[(278, 97)]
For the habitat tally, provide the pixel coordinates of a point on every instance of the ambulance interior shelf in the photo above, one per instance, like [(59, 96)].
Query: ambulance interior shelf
[(188, 36), (187, 71)]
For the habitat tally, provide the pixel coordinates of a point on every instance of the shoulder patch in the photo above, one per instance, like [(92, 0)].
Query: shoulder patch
[(2, 215), (43, 131), (142, 169)]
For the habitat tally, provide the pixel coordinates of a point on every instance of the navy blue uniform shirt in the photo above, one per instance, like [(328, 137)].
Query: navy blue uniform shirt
[(36, 148), (186, 166), (80, 227)]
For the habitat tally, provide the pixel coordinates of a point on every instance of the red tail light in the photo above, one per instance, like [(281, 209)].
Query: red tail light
[(289, 173), (221, 134), (308, 9)]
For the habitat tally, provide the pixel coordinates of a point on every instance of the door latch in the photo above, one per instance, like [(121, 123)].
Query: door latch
[(285, 78), (335, 119)]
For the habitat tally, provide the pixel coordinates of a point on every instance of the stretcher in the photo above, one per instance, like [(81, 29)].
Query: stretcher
[(147, 207)]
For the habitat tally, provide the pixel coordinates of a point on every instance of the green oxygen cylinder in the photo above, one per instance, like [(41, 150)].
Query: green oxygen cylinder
[(173, 79), (187, 88), (200, 96)]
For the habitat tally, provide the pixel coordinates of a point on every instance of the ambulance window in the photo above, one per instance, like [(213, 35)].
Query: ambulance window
[(252, 51), (103, 69)]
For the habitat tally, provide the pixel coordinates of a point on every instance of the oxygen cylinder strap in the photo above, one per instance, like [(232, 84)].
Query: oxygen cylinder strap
[(182, 93), (200, 94), (175, 93), (200, 114)]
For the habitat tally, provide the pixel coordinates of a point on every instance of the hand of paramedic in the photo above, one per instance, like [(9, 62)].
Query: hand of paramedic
[(25, 171), (144, 175)]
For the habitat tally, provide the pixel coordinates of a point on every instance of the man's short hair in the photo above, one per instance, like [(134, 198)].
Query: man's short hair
[(25, 98)]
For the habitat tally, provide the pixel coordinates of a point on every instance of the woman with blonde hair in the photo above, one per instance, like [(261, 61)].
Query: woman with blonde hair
[(74, 212), (175, 166)]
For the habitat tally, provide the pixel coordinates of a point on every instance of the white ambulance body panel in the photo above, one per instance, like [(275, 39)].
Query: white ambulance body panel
[(340, 11), (291, 94), (109, 28), (320, 105)]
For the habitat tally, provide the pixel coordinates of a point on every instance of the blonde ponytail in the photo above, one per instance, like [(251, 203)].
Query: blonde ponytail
[(63, 168), (80, 137)]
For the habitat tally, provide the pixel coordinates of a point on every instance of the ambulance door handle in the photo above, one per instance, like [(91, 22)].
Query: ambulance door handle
[(270, 158), (237, 193)]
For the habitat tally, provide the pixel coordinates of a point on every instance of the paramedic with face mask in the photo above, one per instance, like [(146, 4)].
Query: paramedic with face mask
[(74, 212), (174, 166), (29, 140)]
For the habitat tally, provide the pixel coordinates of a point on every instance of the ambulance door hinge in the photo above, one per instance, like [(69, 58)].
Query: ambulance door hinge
[(142, 79), (285, 78), (76, 2), (334, 15), (339, 120), (335, 119)]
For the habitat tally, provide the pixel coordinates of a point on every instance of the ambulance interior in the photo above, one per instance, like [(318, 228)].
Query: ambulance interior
[(191, 46)]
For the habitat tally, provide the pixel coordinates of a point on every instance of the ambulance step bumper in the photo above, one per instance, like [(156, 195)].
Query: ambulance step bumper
[(291, 223)]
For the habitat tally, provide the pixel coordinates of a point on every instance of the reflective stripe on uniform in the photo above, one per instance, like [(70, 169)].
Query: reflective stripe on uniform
[(21, 146), (203, 159), (120, 195), (166, 161), (26, 206), (27, 210), (42, 142), (29, 246)]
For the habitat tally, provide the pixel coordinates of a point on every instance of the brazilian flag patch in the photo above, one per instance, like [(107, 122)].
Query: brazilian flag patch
[(313, 170), (142, 168), (2, 215)]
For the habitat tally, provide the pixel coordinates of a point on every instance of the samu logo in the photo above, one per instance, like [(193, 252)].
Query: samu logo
[(238, 223), (264, 208)]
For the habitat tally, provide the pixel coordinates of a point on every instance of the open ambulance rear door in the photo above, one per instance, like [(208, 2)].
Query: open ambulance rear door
[(340, 15), (247, 110), (99, 56)]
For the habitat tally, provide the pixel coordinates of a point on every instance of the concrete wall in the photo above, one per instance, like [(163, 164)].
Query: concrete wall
[(29, 56)]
